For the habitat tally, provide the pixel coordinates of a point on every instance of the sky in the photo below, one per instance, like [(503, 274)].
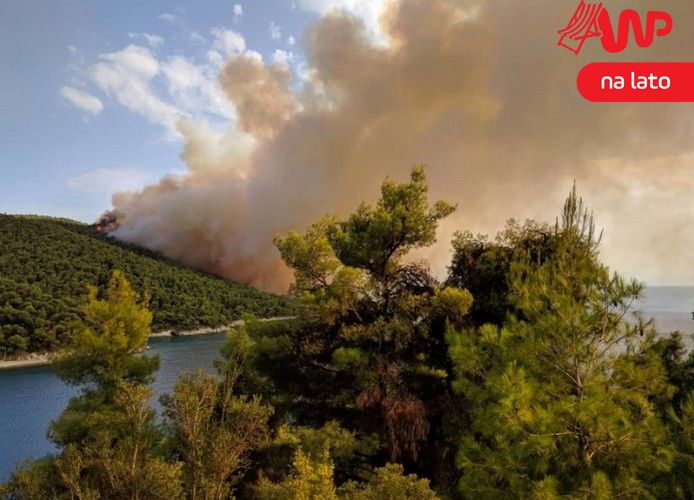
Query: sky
[(211, 126), (90, 90)]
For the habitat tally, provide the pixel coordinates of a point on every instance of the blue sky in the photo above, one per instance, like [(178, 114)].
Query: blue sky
[(90, 90)]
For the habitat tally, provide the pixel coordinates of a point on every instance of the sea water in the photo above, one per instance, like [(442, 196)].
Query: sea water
[(30, 398)]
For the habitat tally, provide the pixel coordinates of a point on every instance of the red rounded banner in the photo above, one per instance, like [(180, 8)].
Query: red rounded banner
[(637, 82)]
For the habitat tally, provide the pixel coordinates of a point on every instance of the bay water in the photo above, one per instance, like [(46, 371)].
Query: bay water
[(30, 398)]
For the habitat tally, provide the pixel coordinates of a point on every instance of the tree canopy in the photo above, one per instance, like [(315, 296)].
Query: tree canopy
[(563, 394), (47, 264)]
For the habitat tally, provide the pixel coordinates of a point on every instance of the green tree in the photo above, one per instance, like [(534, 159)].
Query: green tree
[(308, 480), (388, 483), (483, 267), (17, 343), (678, 414), (107, 433), (311, 478), (368, 349), (563, 394), (213, 431), (104, 358)]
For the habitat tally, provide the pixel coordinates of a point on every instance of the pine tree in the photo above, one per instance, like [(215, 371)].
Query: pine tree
[(368, 349), (563, 393), (107, 433)]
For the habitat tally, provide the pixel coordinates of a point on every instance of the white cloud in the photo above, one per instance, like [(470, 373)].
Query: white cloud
[(195, 88), (154, 41), (165, 89), (82, 100), (167, 16), (215, 58), (282, 57), (134, 58), (182, 73), (174, 17), (126, 75), (228, 42), (254, 54), (291, 41), (369, 10), (275, 31), (72, 49), (238, 12), (110, 180)]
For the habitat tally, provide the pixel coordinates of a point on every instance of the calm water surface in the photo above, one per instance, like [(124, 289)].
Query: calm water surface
[(31, 397)]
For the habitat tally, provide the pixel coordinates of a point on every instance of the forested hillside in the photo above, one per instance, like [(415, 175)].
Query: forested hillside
[(46, 265)]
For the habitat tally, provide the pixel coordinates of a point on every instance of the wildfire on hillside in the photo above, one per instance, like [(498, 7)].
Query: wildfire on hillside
[(106, 223)]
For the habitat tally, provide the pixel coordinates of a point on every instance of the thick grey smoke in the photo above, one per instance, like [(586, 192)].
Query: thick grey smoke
[(478, 91)]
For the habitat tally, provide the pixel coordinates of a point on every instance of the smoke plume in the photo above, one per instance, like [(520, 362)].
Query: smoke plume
[(478, 91)]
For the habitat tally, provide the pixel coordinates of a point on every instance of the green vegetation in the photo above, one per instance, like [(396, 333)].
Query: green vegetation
[(368, 350), (389, 384), (107, 433), (46, 265), (563, 396)]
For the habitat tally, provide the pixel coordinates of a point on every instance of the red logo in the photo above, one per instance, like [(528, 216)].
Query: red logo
[(592, 20)]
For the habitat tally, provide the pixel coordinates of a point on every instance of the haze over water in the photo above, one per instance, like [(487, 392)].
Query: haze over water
[(671, 307)]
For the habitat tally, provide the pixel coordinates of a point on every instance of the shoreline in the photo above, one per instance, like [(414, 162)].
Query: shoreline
[(44, 359)]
